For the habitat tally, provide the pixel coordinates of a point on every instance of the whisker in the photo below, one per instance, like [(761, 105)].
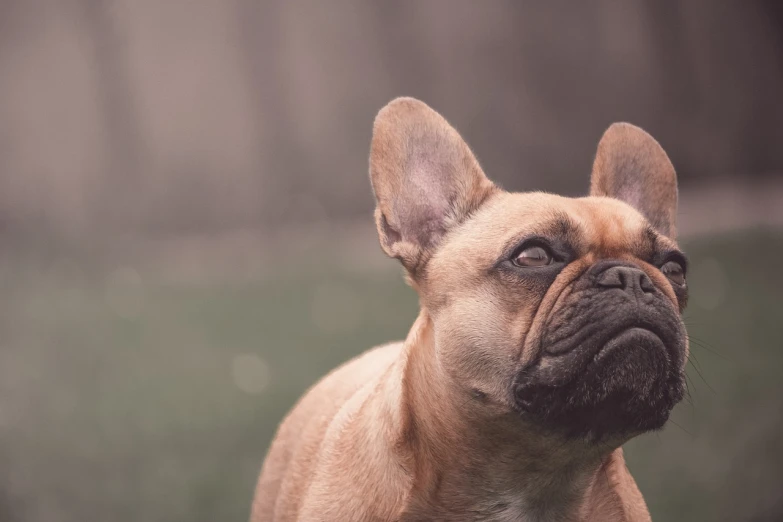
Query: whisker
[(702, 376), (694, 361), (683, 429), (688, 384), (705, 346)]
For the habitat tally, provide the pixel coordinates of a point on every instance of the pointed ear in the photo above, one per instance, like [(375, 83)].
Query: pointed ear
[(425, 179), (631, 166)]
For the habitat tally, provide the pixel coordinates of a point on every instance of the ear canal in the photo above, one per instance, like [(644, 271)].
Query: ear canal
[(425, 180), (631, 166)]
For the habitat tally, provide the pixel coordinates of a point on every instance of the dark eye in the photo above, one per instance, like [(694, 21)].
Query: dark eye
[(674, 271), (533, 256)]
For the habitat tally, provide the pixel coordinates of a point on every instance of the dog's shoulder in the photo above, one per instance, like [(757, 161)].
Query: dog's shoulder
[(293, 457)]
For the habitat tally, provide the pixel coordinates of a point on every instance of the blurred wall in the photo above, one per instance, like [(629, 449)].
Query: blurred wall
[(162, 117)]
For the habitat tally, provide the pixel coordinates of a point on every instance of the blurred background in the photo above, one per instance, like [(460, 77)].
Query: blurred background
[(186, 240)]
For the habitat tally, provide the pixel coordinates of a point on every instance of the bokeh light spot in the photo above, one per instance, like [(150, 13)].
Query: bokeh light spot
[(251, 373)]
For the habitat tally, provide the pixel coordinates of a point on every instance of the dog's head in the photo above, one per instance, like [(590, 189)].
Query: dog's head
[(564, 310)]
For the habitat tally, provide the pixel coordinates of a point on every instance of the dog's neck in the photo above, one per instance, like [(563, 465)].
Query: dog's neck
[(465, 457)]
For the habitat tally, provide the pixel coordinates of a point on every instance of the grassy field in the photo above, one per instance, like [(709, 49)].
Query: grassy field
[(124, 398)]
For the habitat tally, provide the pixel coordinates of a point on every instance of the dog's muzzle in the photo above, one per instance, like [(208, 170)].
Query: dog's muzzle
[(612, 356)]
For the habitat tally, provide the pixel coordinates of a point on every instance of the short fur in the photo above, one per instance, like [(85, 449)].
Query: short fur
[(515, 388)]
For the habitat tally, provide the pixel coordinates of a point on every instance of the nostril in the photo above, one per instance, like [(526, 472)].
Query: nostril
[(646, 284)]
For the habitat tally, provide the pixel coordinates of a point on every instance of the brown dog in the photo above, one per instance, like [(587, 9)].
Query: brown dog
[(549, 335)]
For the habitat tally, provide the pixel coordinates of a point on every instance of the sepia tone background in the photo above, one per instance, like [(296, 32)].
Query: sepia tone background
[(186, 239)]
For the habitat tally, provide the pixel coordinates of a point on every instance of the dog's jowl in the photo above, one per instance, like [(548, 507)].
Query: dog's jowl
[(549, 334)]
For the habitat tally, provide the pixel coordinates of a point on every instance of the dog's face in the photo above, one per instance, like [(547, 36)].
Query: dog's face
[(561, 308), (564, 310)]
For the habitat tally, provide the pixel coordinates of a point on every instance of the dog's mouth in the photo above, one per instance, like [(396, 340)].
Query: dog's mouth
[(559, 366), (630, 336), (620, 379)]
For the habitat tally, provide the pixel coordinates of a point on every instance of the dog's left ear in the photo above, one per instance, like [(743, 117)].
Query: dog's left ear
[(631, 166)]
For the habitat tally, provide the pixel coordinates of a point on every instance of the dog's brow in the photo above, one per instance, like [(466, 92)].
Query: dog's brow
[(559, 228), (649, 242), (563, 226)]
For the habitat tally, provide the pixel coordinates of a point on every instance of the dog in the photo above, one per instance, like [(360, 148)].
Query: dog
[(549, 334)]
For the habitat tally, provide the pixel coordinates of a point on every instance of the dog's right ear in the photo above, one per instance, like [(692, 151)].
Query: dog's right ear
[(425, 179)]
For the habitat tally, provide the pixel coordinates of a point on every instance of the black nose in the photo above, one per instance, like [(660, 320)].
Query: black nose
[(631, 279)]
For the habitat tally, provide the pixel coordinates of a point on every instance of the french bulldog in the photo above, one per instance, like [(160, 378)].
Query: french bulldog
[(549, 334)]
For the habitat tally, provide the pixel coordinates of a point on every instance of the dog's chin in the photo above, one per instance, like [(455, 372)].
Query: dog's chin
[(613, 391)]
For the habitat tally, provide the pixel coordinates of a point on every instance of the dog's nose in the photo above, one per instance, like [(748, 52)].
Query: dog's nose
[(631, 279)]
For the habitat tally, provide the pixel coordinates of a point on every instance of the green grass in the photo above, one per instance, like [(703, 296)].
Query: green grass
[(124, 401)]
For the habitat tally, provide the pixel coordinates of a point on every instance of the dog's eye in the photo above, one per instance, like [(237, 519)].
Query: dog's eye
[(674, 271), (533, 256)]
